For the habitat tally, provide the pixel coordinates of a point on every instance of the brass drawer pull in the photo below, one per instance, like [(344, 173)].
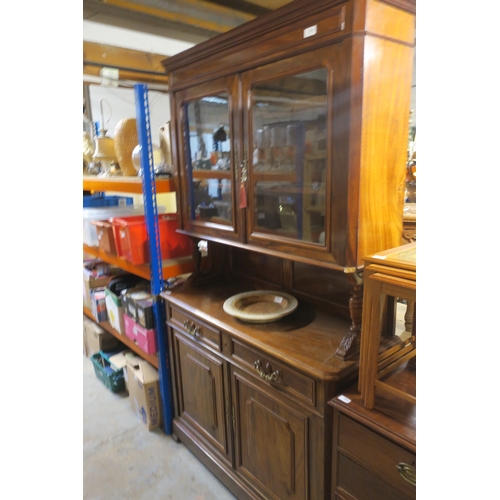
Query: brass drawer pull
[(266, 376), (407, 472), (192, 329)]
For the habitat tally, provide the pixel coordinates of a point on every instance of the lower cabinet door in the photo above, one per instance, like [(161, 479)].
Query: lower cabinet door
[(271, 445), (200, 380)]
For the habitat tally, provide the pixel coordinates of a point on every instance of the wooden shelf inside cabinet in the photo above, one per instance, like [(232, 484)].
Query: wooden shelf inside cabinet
[(172, 267), (150, 358), (315, 209), (211, 174), (274, 176), (124, 184), (315, 156)]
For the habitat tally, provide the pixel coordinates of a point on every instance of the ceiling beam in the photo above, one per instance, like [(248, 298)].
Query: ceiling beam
[(132, 64), (243, 6), (162, 17)]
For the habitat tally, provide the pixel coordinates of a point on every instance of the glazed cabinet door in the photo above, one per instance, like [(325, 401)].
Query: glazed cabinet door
[(207, 132), (271, 444), (296, 157), (200, 384)]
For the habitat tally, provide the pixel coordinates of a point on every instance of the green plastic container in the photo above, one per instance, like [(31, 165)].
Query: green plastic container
[(112, 379)]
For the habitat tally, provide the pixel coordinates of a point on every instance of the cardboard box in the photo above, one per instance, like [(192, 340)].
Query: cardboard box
[(98, 339), (114, 303), (98, 304), (85, 345), (144, 391), (95, 275), (133, 294), (105, 236), (115, 311), (128, 306), (144, 313), (143, 338), (120, 361)]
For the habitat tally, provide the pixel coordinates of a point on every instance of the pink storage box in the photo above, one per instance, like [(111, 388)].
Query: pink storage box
[(143, 338)]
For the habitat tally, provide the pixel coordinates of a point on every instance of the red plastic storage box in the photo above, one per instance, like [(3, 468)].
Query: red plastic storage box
[(131, 239), (105, 236), (142, 337)]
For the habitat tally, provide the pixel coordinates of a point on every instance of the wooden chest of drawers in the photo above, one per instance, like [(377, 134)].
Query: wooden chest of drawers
[(374, 451)]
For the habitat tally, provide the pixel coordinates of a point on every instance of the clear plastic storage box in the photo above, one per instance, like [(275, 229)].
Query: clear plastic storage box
[(104, 213)]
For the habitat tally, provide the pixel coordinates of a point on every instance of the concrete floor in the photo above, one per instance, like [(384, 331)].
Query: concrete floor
[(123, 460)]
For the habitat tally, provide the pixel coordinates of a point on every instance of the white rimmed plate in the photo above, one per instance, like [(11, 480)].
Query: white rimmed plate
[(260, 306)]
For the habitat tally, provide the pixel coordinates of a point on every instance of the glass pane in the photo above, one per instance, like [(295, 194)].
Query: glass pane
[(209, 159), (289, 156)]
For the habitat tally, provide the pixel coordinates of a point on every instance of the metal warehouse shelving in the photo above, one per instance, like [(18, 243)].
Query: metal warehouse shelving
[(157, 269)]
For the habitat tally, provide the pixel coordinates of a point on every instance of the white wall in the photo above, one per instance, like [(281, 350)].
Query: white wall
[(119, 103)]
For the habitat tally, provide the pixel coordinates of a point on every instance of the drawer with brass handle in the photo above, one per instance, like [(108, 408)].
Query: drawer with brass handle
[(277, 374), (407, 472), (195, 328), (382, 459), (266, 374)]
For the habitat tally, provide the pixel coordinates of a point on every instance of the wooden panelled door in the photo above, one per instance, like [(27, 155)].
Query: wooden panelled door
[(272, 440), (201, 396)]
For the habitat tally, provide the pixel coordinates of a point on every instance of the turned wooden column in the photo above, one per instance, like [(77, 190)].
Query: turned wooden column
[(349, 345)]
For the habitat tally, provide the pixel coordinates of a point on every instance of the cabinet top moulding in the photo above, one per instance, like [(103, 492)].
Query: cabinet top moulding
[(125, 184), (281, 33)]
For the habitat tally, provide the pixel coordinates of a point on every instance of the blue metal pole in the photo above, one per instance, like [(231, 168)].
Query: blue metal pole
[(155, 261)]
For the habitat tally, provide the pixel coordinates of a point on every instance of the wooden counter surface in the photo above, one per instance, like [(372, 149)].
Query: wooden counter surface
[(306, 339)]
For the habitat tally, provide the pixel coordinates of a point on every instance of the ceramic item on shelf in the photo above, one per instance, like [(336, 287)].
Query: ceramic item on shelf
[(88, 141), (125, 142), (88, 148), (165, 142), (158, 160), (260, 306), (165, 145), (104, 148), (105, 155)]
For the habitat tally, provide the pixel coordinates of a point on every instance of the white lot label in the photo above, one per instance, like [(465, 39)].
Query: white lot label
[(279, 300), (312, 30), (344, 399)]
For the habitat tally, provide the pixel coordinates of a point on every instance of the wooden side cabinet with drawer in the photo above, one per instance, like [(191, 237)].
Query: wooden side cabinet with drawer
[(251, 400), (374, 451)]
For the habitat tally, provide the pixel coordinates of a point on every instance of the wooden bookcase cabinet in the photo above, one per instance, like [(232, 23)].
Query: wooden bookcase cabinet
[(262, 439), (364, 49)]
